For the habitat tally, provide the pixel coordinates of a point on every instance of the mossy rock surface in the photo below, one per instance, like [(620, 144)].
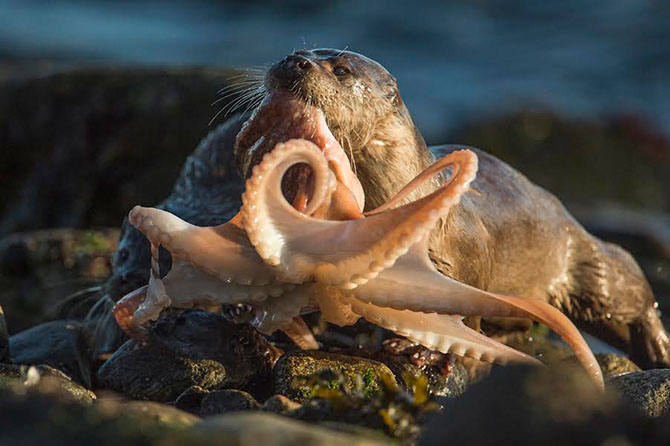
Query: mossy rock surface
[(613, 365), (649, 390), (293, 366)]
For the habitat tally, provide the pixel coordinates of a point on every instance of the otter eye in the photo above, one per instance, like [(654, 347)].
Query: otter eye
[(341, 71)]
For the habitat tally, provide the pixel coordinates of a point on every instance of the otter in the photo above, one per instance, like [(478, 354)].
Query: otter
[(507, 235)]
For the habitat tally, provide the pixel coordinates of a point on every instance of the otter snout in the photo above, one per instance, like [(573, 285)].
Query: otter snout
[(290, 69)]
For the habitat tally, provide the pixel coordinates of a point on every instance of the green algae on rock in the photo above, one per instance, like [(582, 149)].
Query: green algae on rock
[(293, 366)]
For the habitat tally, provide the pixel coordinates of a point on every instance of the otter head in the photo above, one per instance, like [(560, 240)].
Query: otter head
[(327, 93)]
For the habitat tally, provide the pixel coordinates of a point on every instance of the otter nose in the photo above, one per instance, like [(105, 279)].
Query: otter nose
[(296, 63), (292, 68)]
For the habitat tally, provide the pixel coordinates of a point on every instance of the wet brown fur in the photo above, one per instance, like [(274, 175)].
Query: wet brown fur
[(507, 235)]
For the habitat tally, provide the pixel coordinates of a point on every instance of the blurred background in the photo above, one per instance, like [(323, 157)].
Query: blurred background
[(101, 101), (455, 61)]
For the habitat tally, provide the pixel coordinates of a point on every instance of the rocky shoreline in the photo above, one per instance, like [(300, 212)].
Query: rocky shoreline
[(200, 378)]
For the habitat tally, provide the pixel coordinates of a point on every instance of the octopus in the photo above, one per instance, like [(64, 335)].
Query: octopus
[(320, 251)]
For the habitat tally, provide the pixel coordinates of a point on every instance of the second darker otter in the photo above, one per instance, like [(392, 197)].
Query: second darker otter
[(507, 235)]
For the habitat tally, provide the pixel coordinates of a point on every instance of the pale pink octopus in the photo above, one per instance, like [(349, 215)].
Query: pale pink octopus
[(322, 252)]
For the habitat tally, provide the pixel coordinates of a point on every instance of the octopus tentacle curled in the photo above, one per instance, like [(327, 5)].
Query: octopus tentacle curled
[(282, 261)]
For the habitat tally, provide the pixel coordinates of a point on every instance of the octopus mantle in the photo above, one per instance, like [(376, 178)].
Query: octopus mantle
[(322, 253)]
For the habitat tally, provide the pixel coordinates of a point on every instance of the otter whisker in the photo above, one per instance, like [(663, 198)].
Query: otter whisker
[(239, 85), (240, 102), (255, 101), (236, 92)]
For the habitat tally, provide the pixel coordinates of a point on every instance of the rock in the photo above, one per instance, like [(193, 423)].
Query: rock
[(44, 379), (4, 338), (162, 414), (300, 364), (53, 274), (153, 372), (262, 428), (614, 365), (222, 401), (450, 385), (189, 348), (65, 345), (553, 405), (34, 417), (191, 399), (391, 410), (279, 404), (649, 390)]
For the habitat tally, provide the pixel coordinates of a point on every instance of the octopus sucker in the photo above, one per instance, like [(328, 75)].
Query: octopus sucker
[(372, 266), (444, 333)]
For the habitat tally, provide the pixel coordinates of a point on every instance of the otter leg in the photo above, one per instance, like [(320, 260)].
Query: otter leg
[(610, 298)]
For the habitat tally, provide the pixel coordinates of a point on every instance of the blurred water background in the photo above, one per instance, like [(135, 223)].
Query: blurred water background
[(455, 61)]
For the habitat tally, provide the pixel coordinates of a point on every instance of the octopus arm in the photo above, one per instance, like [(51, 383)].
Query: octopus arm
[(444, 333), (300, 334), (341, 253), (222, 251), (414, 275)]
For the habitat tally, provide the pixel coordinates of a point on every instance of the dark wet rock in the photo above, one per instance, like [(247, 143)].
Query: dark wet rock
[(44, 379), (279, 404), (613, 364), (39, 270), (4, 338), (649, 390), (555, 405), (65, 345), (191, 399), (153, 372), (262, 428), (300, 364), (189, 348), (36, 416), (222, 401)]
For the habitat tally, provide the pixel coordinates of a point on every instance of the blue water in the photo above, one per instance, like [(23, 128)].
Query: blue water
[(455, 61)]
